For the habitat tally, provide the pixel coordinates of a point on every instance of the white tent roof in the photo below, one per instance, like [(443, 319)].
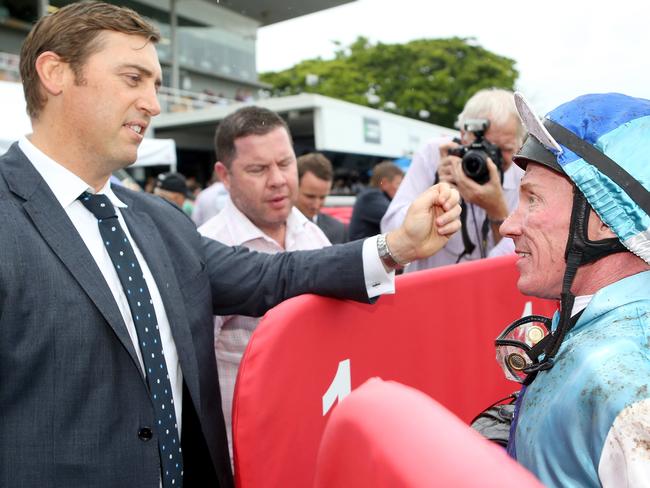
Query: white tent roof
[(14, 123)]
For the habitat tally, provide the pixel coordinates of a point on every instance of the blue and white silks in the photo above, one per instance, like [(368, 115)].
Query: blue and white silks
[(602, 371)]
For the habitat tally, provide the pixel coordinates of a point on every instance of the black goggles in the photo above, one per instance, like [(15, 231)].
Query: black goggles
[(520, 345)]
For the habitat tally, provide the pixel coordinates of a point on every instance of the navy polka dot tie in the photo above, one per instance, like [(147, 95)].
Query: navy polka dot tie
[(146, 325)]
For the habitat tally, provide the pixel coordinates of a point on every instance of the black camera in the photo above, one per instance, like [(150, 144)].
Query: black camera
[(475, 154)]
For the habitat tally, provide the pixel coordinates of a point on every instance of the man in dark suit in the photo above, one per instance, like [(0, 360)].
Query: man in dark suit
[(315, 177), (335, 230), (372, 203), (107, 295)]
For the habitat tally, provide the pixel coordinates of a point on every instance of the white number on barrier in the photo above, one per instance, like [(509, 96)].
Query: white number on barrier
[(528, 309), (340, 386)]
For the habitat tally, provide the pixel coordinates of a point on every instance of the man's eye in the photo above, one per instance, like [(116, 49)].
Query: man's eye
[(133, 79)]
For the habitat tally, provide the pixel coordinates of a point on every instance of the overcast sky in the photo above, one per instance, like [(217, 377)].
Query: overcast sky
[(562, 49)]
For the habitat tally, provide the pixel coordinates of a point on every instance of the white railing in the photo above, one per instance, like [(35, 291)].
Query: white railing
[(171, 100)]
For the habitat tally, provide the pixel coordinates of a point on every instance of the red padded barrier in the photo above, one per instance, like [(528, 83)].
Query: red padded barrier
[(344, 214), (386, 434), (436, 335)]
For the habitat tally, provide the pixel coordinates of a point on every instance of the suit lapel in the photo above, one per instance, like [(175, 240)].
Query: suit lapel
[(53, 224), (150, 242)]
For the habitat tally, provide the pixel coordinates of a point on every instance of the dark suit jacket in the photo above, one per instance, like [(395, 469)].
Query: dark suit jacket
[(72, 398), (369, 207), (335, 230)]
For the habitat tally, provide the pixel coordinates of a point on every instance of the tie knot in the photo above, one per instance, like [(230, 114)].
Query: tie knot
[(100, 206)]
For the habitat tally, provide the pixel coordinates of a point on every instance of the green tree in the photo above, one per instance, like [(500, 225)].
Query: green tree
[(425, 79)]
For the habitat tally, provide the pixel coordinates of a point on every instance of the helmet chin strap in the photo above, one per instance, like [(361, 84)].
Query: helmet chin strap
[(580, 250)]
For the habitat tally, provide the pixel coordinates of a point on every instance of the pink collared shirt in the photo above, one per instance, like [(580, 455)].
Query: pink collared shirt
[(232, 332)]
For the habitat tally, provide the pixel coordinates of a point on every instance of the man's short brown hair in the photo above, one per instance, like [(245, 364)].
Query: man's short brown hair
[(317, 164), (385, 169), (73, 33), (244, 122)]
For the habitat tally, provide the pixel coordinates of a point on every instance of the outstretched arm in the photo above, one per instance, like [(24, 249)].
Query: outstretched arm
[(430, 221)]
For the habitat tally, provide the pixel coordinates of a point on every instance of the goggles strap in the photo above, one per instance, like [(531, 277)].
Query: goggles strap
[(630, 185)]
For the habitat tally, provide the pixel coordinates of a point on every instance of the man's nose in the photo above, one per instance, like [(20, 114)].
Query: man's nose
[(149, 103), (276, 176), (511, 225)]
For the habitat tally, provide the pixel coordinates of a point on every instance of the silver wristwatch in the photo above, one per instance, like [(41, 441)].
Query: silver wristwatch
[(384, 253)]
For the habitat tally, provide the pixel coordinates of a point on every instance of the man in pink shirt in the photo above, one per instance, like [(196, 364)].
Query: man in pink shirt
[(258, 166)]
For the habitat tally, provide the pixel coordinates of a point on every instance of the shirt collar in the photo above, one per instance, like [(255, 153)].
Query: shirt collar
[(65, 185), (580, 303), (246, 231), (296, 224), (243, 228)]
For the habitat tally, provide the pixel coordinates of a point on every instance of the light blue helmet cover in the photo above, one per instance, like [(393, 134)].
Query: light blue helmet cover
[(619, 127)]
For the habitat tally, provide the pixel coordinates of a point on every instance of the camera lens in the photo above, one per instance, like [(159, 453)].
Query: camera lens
[(475, 166)]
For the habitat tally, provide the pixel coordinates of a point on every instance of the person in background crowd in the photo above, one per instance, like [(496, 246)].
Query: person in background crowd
[(371, 204), (486, 205), (315, 177), (210, 201), (173, 187), (150, 184), (107, 358), (193, 190), (193, 187), (581, 233), (258, 167), (346, 182)]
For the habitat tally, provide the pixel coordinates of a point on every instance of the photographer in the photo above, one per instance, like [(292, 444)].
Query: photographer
[(489, 125)]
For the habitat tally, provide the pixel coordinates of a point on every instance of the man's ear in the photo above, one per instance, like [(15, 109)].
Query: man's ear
[(215, 174), (51, 72), (597, 229), (223, 173)]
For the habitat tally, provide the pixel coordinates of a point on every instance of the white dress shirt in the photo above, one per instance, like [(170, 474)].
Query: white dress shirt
[(66, 187), (421, 175)]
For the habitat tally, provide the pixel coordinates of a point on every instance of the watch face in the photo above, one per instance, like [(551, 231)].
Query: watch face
[(384, 253)]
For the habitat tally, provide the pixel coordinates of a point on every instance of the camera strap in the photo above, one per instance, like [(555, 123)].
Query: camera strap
[(468, 245), (481, 235), (485, 229)]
